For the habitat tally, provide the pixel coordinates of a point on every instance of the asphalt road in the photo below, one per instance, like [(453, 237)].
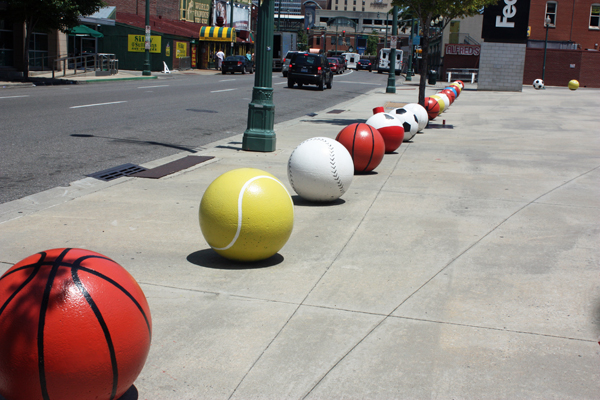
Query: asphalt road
[(53, 135)]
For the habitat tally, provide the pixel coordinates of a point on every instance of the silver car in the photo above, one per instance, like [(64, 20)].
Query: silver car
[(286, 62)]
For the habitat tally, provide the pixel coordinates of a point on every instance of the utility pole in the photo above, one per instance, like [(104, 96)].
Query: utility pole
[(411, 48), (231, 27)]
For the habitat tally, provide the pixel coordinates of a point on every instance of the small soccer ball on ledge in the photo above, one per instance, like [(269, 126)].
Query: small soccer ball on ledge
[(538, 84)]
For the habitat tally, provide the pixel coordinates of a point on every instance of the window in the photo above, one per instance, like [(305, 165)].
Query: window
[(595, 16), (38, 50), (333, 40), (551, 12)]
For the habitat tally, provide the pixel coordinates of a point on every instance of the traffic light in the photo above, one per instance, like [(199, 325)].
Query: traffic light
[(343, 33)]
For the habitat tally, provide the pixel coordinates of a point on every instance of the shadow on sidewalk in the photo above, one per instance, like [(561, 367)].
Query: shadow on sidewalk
[(208, 258)]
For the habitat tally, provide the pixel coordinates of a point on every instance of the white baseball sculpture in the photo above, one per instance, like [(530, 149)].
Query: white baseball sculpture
[(320, 169), (421, 114), (408, 120)]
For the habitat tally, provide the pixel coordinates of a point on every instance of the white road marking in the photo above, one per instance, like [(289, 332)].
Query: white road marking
[(99, 104), (359, 83), (13, 97), (223, 90), (148, 87), (226, 80)]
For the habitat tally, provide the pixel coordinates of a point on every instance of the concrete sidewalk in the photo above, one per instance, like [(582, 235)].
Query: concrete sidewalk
[(465, 267)]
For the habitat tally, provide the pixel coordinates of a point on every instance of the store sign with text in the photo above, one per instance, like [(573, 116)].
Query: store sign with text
[(463, 49), (136, 43), (506, 21)]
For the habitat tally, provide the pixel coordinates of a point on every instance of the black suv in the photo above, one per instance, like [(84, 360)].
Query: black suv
[(310, 69)]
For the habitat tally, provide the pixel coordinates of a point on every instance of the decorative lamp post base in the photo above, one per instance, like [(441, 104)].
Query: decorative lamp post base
[(259, 134), (391, 85)]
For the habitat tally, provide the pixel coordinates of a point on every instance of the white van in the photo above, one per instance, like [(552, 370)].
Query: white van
[(351, 59), (383, 64)]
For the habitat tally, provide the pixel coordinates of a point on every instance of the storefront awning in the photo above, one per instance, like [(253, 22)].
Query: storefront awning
[(82, 30), (217, 34)]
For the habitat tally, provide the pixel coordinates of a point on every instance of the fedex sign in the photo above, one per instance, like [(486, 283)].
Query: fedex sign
[(509, 11), (506, 21)]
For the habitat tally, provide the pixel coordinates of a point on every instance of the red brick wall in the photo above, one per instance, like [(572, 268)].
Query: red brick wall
[(572, 23), (558, 67), (168, 9)]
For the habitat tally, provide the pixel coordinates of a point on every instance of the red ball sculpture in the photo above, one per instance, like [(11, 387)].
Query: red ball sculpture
[(432, 107), (365, 144), (389, 127), (74, 325), (451, 95)]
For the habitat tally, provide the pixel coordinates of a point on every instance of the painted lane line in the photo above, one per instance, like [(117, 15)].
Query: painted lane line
[(280, 83), (148, 87), (227, 80), (359, 83), (99, 104), (223, 90), (13, 97)]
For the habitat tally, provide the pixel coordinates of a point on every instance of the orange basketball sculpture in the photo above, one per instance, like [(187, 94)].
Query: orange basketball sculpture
[(73, 325), (365, 144), (432, 107)]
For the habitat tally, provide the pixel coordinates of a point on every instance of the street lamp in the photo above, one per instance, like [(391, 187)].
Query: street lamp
[(146, 71), (547, 23), (411, 49), (259, 134), (391, 86)]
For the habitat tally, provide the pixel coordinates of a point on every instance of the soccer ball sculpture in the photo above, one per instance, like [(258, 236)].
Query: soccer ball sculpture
[(409, 121), (538, 84), (74, 324), (420, 112), (320, 169)]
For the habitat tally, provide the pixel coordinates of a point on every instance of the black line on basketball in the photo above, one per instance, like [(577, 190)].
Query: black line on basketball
[(42, 322), (29, 279), (354, 137), (37, 264), (372, 147), (98, 314), (114, 283)]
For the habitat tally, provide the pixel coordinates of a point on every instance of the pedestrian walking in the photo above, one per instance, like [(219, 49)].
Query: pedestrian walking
[(220, 57)]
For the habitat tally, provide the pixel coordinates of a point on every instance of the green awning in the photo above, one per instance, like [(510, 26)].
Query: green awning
[(217, 34), (83, 30)]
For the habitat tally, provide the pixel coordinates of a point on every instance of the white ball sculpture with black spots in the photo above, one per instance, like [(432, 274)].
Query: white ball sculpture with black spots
[(538, 84), (409, 122)]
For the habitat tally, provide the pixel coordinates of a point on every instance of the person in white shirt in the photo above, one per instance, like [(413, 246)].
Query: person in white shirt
[(220, 57)]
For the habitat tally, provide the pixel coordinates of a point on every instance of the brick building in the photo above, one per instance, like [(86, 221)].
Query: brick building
[(572, 46)]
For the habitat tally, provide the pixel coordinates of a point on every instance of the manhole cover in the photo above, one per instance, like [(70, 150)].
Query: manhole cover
[(117, 172)]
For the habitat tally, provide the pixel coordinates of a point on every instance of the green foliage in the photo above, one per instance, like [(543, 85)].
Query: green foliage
[(302, 41), (433, 17), (45, 15), (372, 41)]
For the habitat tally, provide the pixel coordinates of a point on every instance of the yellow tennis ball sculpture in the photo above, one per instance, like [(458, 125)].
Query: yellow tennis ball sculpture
[(246, 215), (573, 84)]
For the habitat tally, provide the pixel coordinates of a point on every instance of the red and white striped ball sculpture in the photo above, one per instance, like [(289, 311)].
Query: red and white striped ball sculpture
[(420, 113), (390, 128), (409, 121), (365, 144), (74, 325), (461, 83)]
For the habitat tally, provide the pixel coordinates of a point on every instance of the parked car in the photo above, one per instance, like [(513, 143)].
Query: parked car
[(286, 62), (235, 64), (335, 65), (364, 63), (343, 63), (310, 69)]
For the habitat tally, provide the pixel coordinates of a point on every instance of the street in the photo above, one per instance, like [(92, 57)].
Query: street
[(53, 135)]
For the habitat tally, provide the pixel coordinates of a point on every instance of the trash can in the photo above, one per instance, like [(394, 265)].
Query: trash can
[(432, 77)]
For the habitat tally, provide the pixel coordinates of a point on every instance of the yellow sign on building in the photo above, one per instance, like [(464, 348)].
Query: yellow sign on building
[(135, 43), (181, 50)]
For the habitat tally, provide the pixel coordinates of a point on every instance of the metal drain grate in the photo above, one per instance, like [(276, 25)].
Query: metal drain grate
[(335, 111), (117, 172)]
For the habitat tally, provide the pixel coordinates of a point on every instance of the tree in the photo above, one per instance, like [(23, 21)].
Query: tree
[(46, 15), (434, 16), (302, 41), (372, 41)]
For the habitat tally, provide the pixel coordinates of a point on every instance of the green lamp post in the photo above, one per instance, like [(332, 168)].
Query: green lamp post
[(146, 71), (259, 134), (391, 85), (411, 49)]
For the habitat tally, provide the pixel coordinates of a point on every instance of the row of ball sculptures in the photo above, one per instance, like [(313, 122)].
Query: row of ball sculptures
[(74, 324)]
